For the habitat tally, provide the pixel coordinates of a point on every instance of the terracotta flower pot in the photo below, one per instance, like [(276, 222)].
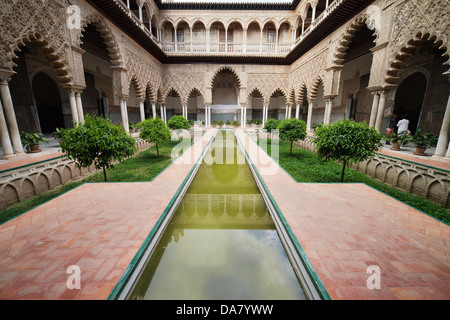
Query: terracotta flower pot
[(34, 148), (420, 151), (395, 146)]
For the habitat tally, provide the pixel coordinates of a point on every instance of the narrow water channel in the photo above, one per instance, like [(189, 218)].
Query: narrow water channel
[(221, 243)]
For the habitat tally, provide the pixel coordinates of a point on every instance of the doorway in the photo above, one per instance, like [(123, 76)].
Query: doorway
[(409, 99), (48, 103)]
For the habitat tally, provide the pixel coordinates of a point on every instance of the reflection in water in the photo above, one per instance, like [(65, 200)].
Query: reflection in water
[(221, 242)]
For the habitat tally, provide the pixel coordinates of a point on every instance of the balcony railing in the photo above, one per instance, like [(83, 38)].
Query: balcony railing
[(222, 47)]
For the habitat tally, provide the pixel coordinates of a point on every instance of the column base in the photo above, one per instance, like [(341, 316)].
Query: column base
[(7, 157)]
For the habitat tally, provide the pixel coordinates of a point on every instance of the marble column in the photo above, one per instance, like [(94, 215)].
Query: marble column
[(161, 109), (328, 109), (309, 118), (380, 111), (10, 117), (297, 111), (124, 114), (8, 151), (154, 110), (374, 111), (73, 107), (444, 134), (245, 116), (264, 120), (142, 110), (79, 107), (165, 114)]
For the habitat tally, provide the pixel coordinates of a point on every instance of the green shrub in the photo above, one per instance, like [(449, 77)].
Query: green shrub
[(292, 130), (97, 141), (155, 131), (272, 124), (178, 122), (347, 141)]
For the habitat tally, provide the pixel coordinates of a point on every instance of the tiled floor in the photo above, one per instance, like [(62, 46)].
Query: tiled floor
[(98, 227), (345, 228), (342, 228)]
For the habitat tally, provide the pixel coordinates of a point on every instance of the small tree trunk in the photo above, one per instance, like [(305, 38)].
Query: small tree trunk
[(343, 171), (157, 150), (104, 173)]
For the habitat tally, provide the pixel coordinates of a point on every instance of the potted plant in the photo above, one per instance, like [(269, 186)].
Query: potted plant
[(228, 123), (59, 134), (236, 123), (422, 141), (132, 126), (214, 123), (250, 122), (257, 122), (220, 123), (395, 140), (31, 141)]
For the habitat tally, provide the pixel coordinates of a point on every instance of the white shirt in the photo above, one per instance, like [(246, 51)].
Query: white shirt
[(403, 125)]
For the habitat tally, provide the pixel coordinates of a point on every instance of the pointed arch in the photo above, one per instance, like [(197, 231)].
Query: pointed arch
[(171, 91), (150, 93), (291, 97), (257, 90), (315, 87), (225, 68), (347, 37), (111, 44), (302, 92), (59, 64), (407, 48), (282, 92), (137, 86)]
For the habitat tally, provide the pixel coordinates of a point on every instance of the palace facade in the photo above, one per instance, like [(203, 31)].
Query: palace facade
[(316, 60)]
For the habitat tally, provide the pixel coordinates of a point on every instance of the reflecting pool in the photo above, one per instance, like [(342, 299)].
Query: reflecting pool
[(221, 243)]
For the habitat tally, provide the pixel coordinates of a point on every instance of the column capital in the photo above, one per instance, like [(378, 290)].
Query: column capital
[(6, 75)]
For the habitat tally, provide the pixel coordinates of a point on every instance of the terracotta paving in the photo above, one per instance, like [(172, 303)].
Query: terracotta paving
[(97, 227), (428, 161), (345, 228), (28, 160)]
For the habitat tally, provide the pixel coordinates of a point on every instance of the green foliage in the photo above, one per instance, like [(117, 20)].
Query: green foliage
[(178, 123), (292, 130), (155, 131), (347, 141), (133, 125), (214, 123), (394, 137), (315, 126), (97, 141), (59, 134), (236, 123), (250, 122), (272, 124), (420, 140), (220, 123), (228, 123), (257, 122), (28, 139)]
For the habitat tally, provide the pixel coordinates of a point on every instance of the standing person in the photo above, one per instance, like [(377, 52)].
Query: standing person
[(403, 126)]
